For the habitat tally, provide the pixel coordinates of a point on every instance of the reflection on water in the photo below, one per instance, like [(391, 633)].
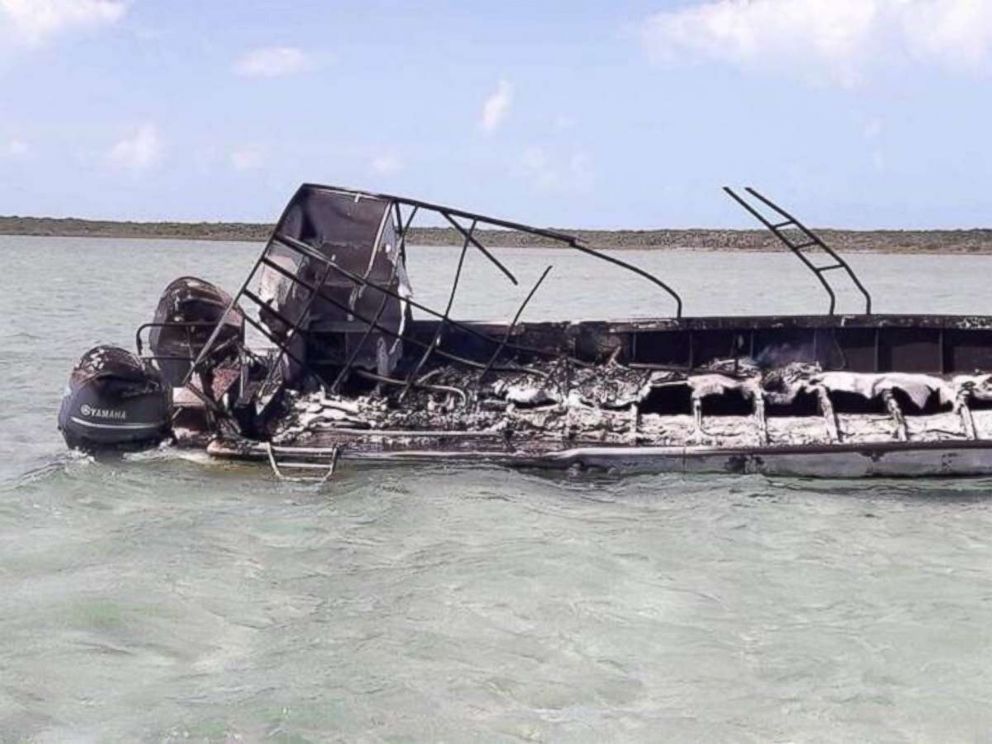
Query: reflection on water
[(166, 597)]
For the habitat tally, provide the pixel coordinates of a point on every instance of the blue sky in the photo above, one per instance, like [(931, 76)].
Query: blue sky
[(856, 113)]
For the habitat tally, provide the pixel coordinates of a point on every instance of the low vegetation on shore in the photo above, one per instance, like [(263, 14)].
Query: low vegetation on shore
[(882, 241)]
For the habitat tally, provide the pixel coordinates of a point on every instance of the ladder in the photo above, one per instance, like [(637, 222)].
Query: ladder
[(785, 221), (308, 464)]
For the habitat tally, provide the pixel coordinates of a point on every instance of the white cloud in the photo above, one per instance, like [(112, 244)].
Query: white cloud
[(873, 128), (386, 164), (247, 158), (535, 162), (955, 33), (557, 172), (838, 41), (272, 62), (141, 149), (496, 107), (35, 21), (14, 148)]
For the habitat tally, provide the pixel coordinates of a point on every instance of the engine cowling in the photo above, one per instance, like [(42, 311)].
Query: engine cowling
[(114, 400), (188, 312)]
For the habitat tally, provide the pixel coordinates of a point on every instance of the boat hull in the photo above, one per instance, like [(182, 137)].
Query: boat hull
[(890, 460)]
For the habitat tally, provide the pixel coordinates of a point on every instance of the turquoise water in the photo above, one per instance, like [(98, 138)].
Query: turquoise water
[(163, 597)]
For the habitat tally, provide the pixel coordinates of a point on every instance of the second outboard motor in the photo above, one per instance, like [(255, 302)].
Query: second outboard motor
[(114, 400), (187, 313)]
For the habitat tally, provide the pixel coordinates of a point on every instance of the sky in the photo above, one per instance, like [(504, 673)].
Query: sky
[(626, 114)]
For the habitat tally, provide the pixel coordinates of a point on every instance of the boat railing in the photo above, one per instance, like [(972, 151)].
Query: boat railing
[(188, 325), (810, 240)]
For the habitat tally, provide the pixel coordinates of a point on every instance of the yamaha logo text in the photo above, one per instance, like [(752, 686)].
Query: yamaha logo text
[(105, 413)]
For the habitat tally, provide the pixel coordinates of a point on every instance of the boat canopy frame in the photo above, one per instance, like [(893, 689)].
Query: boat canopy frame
[(402, 211)]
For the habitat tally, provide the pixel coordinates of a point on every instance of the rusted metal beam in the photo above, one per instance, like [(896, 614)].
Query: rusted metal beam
[(513, 324), (482, 249)]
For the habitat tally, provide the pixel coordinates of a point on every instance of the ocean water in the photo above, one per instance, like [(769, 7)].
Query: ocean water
[(163, 597)]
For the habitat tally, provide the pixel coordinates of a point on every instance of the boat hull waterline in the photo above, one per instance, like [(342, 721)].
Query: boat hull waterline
[(895, 460)]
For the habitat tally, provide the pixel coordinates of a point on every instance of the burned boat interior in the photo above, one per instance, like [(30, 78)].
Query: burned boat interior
[(325, 345)]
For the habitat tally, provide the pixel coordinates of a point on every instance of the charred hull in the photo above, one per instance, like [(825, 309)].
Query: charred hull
[(733, 416), (352, 366), (878, 460)]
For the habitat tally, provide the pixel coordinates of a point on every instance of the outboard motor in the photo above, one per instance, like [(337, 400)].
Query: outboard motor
[(188, 312), (114, 400)]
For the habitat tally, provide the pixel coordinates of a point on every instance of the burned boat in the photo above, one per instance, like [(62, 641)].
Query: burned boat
[(347, 364)]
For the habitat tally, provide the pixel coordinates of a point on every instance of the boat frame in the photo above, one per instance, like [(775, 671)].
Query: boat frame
[(938, 348)]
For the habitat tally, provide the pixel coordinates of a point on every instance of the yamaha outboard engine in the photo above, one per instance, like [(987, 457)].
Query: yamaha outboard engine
[(114, 400), (188, 312)]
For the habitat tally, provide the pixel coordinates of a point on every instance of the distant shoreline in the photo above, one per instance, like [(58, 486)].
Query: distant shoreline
[(971, 241)]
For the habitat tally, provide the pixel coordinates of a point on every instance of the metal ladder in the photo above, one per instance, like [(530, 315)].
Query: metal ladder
[(810, 240), (316, 466)]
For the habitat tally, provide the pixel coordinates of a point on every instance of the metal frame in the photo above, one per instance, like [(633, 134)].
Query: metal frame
[(307, 250), (513, 323), (444, 317), (811, 240), (394, 209), (187, 324), (448, 213), (402, 229)]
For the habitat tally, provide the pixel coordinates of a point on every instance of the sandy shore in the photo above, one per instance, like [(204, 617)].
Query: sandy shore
[(881, 241)]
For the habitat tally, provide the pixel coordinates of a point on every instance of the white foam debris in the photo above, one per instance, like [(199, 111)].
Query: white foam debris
[(599, 406), (917, 387), (704, 386)]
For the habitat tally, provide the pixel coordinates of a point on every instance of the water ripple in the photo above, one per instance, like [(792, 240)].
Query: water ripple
[(164, 597)]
